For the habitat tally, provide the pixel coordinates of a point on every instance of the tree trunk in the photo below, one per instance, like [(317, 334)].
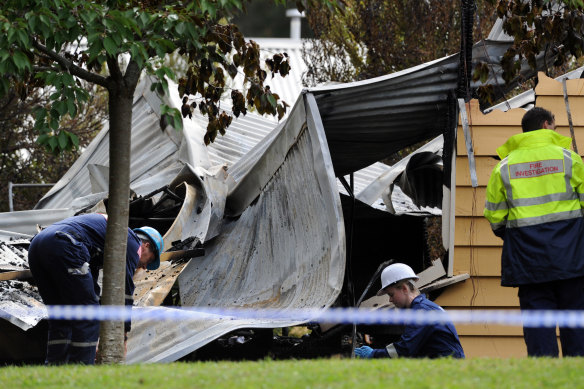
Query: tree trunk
[(111, 340)]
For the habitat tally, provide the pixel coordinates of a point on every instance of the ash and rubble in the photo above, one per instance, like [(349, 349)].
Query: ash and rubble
[(17, 297), (14, 254), (21, 304)]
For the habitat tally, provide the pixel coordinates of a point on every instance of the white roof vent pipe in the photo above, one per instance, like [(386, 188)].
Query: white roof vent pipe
[(295, 22)]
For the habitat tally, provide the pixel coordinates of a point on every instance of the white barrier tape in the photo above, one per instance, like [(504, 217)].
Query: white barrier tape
[(541, 318)]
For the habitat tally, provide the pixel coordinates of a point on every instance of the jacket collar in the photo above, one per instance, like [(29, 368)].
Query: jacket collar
[(531, 139), (417, 299)]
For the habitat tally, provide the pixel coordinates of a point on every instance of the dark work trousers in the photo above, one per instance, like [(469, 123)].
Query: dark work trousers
[(59, 263), (555, 295)]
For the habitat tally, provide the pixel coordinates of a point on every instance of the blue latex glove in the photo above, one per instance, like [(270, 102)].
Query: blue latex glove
[(364, 352)]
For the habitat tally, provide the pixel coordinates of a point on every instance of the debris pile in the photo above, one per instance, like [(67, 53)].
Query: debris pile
[(13, 255), (16, 299)]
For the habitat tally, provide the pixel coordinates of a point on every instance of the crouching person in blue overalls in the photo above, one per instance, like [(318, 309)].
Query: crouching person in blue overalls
[(417, 341), (65, 259)]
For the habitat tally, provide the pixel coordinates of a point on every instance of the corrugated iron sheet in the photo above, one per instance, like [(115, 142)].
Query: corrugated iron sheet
[(285, 250), (367, 121), (161, 147), (152, 286), (362, 178), (379, 187), (25, 222), (371, 185)]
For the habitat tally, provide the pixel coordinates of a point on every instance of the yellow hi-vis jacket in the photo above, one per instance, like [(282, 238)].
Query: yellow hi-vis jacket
[(534, 202)]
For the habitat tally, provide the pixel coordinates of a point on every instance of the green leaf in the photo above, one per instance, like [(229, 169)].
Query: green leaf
[(53, 143), (165, 71), (44, 20), (10, 35), (209, 6), (117, 38), (56, 95), (4, 54), (68, 93), (50, 77), (42, 139), (63, 140), (181, 28), (21, 61), (32, 22), (81, 95), (68, 79), (70, 22), (110, 24), (61, 107), (71, 108), (74, 139), (45, 30), (90, 16), (144, 19), (271, 100), (110, 46), (177, 120), (137, 55), (23, 38), (53, 114), (40, 114), (95, 47), (92, 37)]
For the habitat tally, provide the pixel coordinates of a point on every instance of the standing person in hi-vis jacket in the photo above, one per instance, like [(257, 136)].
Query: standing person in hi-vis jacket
[(534, 203)]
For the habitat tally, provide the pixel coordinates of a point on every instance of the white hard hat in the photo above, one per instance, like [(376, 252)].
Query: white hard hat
[(394, 273)]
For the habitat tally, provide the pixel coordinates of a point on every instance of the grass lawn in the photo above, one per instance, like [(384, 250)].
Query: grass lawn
[(324, 373)]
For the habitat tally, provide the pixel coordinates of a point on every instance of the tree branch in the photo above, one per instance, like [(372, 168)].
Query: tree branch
[(133, 72), (38, 69), (70, 66), (114, 69)]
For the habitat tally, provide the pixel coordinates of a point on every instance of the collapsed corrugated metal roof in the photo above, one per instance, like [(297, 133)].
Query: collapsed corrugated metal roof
[(264, 199), (278, 253), (367, 121), (296, 153), (262, 251)]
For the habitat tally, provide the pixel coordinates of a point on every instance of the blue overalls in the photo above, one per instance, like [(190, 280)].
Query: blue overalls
[(424, 341), (65, 259)]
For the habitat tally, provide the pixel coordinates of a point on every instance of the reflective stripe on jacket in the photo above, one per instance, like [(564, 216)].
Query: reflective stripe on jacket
[(534, 201)]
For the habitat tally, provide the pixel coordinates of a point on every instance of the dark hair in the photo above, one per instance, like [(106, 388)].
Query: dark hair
[(535, 118)]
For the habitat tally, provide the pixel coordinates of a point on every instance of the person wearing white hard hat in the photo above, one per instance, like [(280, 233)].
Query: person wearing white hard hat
[(417, 341)]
